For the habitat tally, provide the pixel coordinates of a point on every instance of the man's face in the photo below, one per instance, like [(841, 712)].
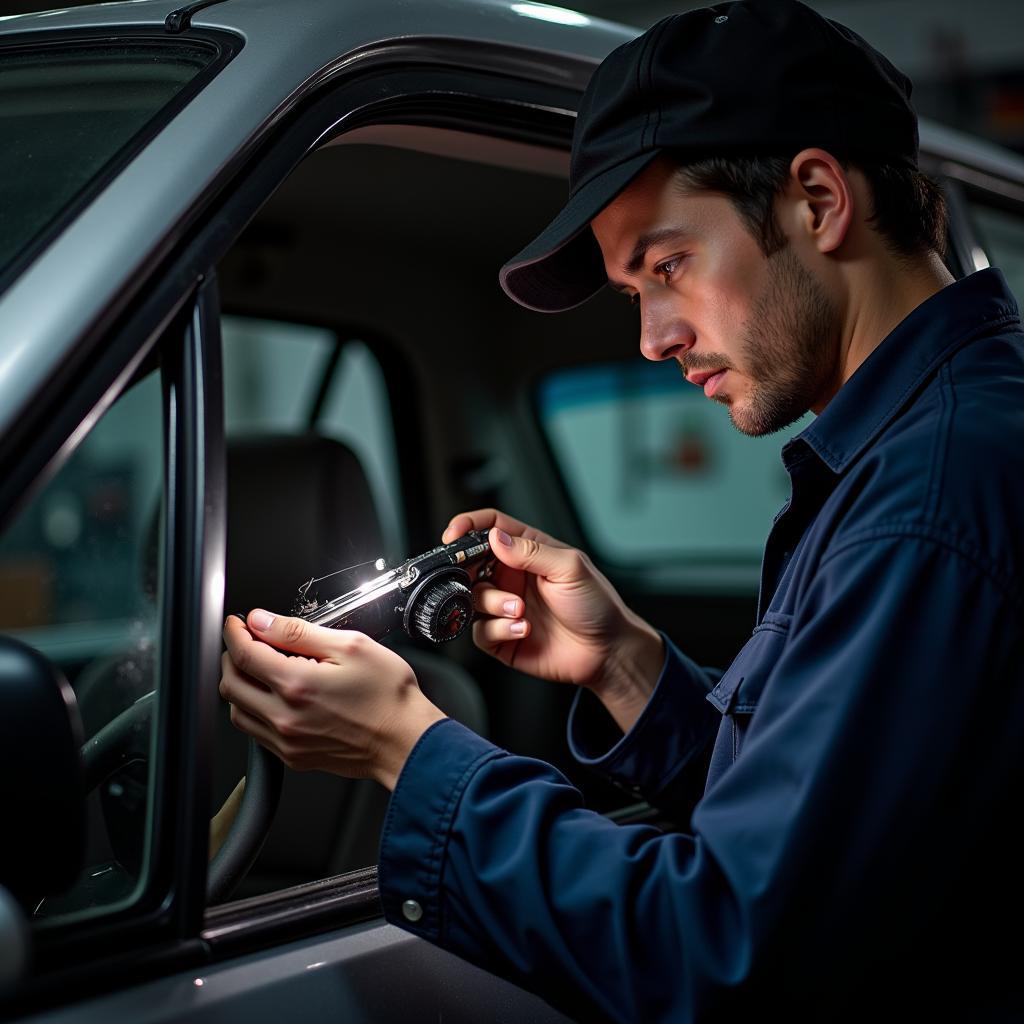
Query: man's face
[(710, 299)]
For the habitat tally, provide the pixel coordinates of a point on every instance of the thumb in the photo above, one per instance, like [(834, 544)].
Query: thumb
[(291, 634), (559, 564)]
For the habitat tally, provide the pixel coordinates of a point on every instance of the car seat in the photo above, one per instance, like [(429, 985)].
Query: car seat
[(299, 507)]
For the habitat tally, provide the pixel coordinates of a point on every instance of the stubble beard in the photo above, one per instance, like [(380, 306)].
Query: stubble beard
[(790, 347)]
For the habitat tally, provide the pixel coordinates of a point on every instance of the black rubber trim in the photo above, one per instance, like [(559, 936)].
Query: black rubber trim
[(193, 553), (302, 910), (181, 19)]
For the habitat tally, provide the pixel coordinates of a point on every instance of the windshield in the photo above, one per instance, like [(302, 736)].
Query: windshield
[(71, 113)]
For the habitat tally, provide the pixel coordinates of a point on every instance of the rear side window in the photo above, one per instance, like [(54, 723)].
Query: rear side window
[(72, 112), (287, 378), (657, 473), (1001, 232)]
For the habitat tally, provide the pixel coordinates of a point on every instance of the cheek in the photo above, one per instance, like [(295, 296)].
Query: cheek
[(727, 307), (729, 285)]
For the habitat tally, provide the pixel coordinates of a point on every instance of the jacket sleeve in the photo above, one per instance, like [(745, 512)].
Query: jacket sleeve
[(664, 756), (815, 858)]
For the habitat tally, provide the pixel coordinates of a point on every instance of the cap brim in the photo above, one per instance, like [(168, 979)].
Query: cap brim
[(563, 267)]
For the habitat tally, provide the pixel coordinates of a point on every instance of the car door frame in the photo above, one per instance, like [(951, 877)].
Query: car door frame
[(491, 88), (180, 332)]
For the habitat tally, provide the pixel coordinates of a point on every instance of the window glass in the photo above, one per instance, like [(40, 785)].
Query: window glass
[(67, 110), (1002, 235), (79, 582), (657, 472)]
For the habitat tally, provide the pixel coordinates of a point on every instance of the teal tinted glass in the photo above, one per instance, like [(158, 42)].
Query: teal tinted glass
[(80, 582), (658, 474), (68, 111)]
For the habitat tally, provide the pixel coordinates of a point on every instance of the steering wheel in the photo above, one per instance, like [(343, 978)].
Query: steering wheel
[(125, 740)]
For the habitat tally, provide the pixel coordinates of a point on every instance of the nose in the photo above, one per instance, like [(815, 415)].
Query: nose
[(663, 333)]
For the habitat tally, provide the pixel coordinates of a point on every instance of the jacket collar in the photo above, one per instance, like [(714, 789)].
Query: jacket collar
[(890, 376)]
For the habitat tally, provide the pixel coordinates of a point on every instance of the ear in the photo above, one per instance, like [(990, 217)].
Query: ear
[(824, 198)]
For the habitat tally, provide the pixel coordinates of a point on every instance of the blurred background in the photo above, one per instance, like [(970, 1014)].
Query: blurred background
[(966, 57)]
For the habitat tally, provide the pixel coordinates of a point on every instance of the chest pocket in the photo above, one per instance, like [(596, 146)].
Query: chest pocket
[(737, 693)]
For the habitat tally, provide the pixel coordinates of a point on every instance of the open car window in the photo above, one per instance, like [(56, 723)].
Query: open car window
[(312, 489)]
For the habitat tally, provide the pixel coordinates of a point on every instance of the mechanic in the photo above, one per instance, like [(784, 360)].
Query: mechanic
[(845, 791)]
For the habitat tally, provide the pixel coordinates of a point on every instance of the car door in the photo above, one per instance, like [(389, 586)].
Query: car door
[(113, 562), (156, 951)]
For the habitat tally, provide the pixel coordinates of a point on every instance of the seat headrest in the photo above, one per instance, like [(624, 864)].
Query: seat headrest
[(297, 507)]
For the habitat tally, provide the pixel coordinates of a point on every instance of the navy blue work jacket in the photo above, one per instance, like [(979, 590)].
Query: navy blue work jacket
[(847, 790)]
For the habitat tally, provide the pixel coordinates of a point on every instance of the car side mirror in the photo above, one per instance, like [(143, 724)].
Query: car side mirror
[(41, 776)]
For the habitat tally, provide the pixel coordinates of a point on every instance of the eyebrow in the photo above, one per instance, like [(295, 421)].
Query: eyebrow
[(643, 245)]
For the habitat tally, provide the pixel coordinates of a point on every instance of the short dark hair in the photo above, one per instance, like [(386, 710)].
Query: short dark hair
[(908, 207)]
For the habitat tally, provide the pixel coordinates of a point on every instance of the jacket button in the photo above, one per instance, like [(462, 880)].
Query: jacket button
[(411, 910)]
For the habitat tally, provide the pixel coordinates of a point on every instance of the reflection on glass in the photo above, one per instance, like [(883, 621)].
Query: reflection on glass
[(79, 583)]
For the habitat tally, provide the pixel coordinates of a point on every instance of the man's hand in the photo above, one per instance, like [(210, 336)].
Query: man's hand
[(554, 616), (339, 702)]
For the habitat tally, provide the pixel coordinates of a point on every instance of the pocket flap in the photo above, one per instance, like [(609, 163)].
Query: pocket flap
[(722, 695), (740, 687)]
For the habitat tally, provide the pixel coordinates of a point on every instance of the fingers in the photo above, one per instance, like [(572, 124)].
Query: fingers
[(257, 659), (489, 600), (491, 633), (240, 690), (292, 634), (553, 561), (506, 624), (485, 518), (253, 649), (481, 519)]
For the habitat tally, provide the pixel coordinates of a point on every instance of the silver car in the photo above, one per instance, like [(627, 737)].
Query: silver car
[(251, 335)]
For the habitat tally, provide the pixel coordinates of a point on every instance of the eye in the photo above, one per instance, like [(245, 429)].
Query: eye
[(668, 267)]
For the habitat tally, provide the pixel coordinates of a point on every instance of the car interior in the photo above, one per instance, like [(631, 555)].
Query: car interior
[(376, 382), (389, 240)]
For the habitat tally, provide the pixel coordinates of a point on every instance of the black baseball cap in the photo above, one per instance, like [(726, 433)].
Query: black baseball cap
[(752, 77)]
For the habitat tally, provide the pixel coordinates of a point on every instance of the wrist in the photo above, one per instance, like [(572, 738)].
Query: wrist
[(398, 741), (631, 672)]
